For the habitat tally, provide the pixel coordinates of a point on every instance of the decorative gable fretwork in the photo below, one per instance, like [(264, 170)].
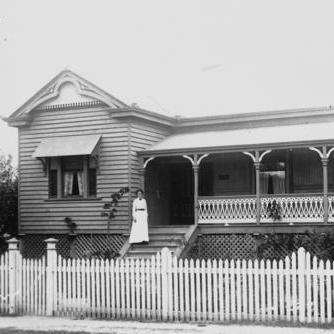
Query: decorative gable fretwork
[(66, 90)]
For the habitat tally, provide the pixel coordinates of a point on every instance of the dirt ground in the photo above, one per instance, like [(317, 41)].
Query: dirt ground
[(63, 325)]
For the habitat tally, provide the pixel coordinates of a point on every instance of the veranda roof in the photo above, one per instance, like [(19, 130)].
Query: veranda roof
[(246, 138), (66, 146)]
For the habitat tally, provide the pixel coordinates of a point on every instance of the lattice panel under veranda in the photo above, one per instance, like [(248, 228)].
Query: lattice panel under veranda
[(86, 245), (78, 246), (238, 246), (33, 246)]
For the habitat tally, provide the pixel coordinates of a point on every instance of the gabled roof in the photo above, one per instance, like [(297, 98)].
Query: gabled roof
[(52, 89)]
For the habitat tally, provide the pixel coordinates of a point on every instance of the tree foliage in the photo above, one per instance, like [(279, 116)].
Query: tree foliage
[(8, 197)]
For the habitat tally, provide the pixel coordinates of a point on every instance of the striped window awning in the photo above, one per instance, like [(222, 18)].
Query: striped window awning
[(67, 146)]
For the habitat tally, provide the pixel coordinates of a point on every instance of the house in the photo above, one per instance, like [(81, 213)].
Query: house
[(218, 179)]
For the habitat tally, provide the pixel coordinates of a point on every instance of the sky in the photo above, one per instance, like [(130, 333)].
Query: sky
[(176, 57)]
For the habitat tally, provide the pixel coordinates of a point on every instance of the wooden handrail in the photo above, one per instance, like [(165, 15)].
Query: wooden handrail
[(263, 195)]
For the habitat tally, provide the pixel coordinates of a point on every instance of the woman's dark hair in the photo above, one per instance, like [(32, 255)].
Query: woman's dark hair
[(139, 190)]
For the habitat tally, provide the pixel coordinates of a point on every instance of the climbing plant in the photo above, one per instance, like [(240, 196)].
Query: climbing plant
[(110, 207)]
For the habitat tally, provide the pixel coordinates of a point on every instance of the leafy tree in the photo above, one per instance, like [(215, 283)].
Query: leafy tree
[(8, 198)]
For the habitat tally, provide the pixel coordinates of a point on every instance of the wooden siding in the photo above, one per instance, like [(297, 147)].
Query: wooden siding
[(39, 214)]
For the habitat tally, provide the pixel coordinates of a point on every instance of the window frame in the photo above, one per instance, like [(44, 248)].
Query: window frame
[(60, 179)]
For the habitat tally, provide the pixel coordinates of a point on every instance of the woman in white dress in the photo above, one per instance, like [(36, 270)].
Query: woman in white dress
[(139, 230)]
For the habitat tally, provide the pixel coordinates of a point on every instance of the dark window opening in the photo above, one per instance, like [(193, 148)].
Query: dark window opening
[(92, 182), (53, 183)]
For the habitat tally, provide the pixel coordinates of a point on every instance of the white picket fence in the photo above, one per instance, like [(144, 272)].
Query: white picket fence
[(170, 289)]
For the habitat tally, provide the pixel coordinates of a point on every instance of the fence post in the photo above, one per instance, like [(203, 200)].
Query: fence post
[(13, 254), (164, 282), (301, 282), (51, 279)]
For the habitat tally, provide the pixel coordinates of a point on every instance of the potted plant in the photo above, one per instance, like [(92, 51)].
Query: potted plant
[(274, 210)]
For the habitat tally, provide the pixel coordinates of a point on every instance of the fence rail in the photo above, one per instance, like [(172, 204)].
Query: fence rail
[(299, 288)]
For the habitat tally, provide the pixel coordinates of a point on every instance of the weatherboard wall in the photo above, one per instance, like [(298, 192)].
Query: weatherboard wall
[(142, 136), (38, 213)]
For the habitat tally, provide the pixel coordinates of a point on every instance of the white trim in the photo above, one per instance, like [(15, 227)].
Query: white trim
[(251, 155), (147, 161), (190, 159), (201, 158), (318, 151), (329, 152), (263, 154)]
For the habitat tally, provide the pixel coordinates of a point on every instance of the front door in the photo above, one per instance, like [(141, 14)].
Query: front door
[(181, 194)]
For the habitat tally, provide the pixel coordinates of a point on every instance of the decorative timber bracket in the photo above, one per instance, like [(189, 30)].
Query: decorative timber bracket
[(142, 171), (146, 162), (96, 155), (44, 164), (257, 158), (324, 155), (195, 162)]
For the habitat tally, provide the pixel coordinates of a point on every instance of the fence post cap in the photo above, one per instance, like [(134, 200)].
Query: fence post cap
[(51, 240), (51, 244), (165, 250), (13, 244), (13, 241)]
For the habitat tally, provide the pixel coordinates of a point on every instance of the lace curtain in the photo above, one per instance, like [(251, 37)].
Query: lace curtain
[(277, 179), (264, 182), (80, 182), (69, 182), (278, 182)]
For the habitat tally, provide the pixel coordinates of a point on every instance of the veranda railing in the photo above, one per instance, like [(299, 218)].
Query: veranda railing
[(300, 288), (294, 208)]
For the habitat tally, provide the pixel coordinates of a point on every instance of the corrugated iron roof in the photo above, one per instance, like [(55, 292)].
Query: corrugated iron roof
[(313, 132), (66, 146)]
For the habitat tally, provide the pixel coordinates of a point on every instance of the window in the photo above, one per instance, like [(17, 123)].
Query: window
[(72, 177), (272, 178)]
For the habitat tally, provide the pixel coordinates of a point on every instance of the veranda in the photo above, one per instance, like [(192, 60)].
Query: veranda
[(241, 188)]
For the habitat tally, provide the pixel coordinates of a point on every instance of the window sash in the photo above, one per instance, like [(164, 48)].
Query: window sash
[(61, 180)]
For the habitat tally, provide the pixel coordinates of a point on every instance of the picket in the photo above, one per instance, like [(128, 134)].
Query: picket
[(244, 304), (309, 303), (227, 290), (164, 287), (268, 271), (249, 274), (263, 290), (328, 292), (322, 291), (154, 285), (315, 290), (176, 288), (281, 289), (220, 291), (287, 289), (275, 290)]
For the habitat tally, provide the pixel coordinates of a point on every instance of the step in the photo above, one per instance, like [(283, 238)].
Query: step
[(168, 229), (162, 237), (148, 249), (165, 242), (142, 254)]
